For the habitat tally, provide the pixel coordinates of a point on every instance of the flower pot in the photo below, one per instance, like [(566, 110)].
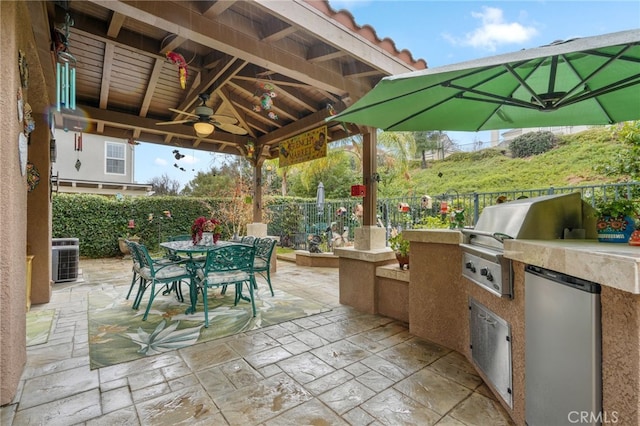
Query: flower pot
[(403, 259), (615, 229), (124, 248)]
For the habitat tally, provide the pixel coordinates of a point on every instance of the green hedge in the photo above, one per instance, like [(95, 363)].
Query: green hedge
[(99, 221)]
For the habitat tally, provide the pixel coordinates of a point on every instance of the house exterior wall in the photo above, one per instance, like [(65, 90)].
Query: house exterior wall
[(92, 158)]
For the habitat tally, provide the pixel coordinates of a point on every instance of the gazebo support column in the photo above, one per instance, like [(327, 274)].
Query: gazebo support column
[(357, 269), (369, 236)]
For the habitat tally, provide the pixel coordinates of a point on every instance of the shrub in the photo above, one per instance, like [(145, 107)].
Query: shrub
[(532, 143)]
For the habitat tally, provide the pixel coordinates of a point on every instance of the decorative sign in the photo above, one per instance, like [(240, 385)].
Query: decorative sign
[(307, 146)]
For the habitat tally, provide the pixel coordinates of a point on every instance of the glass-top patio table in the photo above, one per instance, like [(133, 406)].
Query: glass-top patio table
[(195, 255)]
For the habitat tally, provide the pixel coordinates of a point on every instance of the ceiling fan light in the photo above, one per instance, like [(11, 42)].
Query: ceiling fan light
[(203, 129)]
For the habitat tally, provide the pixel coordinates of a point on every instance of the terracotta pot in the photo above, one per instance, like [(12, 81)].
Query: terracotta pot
[(402, 260)]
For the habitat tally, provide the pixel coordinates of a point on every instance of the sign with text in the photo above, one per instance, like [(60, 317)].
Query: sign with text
[(304, 147)]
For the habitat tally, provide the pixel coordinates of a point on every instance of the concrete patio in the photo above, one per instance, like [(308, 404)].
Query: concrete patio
[(340, 367)]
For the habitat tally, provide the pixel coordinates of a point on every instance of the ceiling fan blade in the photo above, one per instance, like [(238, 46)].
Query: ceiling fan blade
[(164, 123), (177, 111), (232, 128), (224, 119)]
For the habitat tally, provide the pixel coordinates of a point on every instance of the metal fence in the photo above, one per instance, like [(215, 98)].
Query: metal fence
[(296, 223)]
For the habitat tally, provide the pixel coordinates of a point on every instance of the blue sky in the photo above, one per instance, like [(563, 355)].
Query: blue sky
[(442, 33)]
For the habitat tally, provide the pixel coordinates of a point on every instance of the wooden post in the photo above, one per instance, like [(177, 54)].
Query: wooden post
[(257, 190), (369, 167)]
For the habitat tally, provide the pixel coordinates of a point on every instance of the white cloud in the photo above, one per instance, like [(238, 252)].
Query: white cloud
[(160, 161), (494, 31), (189, 159)]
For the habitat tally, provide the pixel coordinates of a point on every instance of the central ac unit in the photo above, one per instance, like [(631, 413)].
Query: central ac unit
[(64, 263)]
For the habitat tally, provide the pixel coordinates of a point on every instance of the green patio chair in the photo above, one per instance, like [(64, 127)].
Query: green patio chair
[(228, 265), (137, 278), (248, 239), (262, 262), (165, 273)]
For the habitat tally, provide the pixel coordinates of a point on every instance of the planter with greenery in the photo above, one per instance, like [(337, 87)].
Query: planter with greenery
[(616, 219), (401, 247)]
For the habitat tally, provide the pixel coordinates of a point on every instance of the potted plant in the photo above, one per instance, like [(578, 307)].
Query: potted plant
[(616, 219), (401, 248)]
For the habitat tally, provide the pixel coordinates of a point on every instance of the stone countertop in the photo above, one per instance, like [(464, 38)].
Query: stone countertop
[(438, 236), (611, 264)]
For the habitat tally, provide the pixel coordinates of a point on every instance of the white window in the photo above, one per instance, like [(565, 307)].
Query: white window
[(115, 158)]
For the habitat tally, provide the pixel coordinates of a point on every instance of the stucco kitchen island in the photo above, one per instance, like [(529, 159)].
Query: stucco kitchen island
[(439, 307)]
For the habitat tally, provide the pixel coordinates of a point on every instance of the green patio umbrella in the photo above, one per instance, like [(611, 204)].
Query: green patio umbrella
[(593, 80)]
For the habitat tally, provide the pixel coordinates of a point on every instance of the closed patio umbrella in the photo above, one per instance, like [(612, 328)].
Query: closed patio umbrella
[(592, 80), (320, 198)]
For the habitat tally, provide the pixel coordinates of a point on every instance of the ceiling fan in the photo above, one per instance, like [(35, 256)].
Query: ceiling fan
[(204, 121)]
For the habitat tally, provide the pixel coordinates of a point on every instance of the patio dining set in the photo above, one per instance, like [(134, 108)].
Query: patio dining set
[(203, 266)]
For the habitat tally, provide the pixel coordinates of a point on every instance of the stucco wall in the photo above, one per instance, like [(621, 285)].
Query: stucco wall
[(25, 218), (13, 199)]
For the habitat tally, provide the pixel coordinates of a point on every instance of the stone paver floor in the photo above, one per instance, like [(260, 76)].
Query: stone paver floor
[(337, 368)]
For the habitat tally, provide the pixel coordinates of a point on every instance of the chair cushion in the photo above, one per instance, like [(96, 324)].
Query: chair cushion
[(221, 278), (165, 273), (259, 263)]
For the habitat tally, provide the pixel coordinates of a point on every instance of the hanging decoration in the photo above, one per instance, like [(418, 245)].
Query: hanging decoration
[(264, 95), (178, 59), (251, 149), (65, 67), (22, 152), (28, 121), (33, 176), (23, 67)]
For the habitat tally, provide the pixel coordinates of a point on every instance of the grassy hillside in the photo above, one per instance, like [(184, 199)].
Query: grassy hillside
[(571, 163)]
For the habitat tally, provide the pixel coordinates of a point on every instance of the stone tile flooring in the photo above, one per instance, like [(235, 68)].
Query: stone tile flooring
[(337, 368)]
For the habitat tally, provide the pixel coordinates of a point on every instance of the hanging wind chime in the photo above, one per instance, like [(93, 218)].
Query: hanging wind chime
[(77, 146), (65, 67)]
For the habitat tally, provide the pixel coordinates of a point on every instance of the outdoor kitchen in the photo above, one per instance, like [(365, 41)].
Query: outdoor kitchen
[(530, 298)]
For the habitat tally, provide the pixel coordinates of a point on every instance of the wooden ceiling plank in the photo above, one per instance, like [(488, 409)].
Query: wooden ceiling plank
[(173, 44), (115, 24), (323, 52), (335, 34), (106, 75), (218, 36), (225, 95), (215, 8), (274, 30), (151, 87)]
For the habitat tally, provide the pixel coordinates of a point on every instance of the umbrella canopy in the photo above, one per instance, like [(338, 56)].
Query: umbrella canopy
[(593, 80), (320, 198)]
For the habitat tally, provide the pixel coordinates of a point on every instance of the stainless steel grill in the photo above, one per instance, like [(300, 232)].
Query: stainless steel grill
[(548, 217)]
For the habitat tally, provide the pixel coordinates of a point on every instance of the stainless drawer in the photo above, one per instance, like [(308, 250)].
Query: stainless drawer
[(491, 347)]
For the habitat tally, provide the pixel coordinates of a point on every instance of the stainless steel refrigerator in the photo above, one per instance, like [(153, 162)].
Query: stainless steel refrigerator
[(563, 369)]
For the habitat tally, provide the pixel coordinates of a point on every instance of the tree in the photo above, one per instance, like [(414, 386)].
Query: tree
[(163, 185), (334, 171), (219, 181)]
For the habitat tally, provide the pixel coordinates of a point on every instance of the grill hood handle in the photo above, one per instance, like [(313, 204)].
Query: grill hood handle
[(498, 236)]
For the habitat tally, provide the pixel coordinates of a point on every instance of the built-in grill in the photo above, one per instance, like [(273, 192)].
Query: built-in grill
[(548, 217)]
